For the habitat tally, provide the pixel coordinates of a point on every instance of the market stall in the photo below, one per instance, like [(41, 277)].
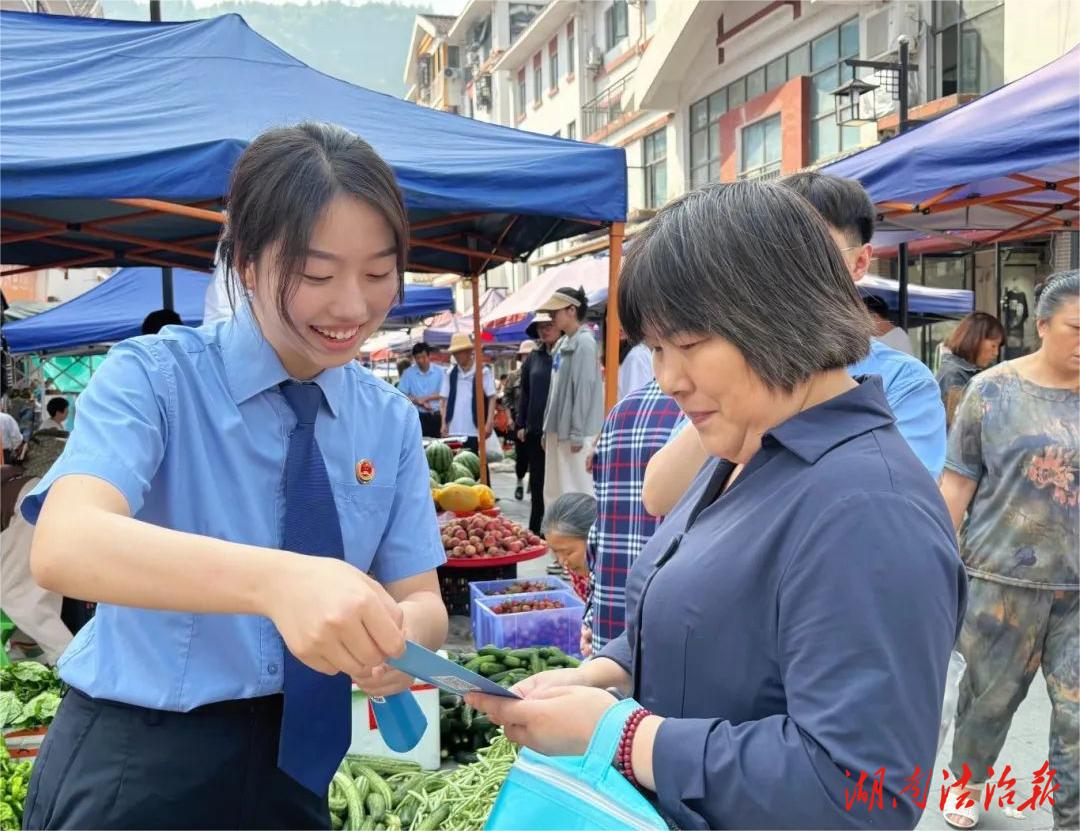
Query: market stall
[(1002, 167)]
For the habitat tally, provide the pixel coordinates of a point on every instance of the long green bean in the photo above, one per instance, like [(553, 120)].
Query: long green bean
[(469, 792)]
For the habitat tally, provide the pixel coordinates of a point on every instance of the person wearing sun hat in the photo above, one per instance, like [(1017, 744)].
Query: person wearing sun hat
[(458, 395), (575, 406)]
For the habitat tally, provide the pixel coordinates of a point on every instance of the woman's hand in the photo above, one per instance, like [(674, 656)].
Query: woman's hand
[(333, 617), (555, 721), (552, 678)]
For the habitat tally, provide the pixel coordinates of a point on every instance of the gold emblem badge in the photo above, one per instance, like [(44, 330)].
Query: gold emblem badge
[(365, 471)]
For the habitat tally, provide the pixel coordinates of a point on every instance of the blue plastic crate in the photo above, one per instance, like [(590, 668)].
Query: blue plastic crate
[(485, 588), (548, 627)]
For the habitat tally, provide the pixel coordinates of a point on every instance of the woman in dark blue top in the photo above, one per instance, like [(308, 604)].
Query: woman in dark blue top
[(790, 623)]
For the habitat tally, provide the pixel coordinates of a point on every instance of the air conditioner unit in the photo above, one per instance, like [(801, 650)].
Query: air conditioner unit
[(453, 73), (882, 29), (594, 58)]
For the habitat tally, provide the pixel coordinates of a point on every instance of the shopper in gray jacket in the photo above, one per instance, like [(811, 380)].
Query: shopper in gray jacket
[(575, 408)]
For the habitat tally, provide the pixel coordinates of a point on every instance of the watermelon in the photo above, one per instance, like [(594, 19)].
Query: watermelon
[(439, 457), (465, 480), (470, 461), (459, 472)]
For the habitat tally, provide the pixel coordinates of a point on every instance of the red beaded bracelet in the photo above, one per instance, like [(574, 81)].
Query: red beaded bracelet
[(624, 755)]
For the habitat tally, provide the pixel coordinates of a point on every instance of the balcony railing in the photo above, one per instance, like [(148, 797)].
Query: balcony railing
[(766, 172), (607, 107)]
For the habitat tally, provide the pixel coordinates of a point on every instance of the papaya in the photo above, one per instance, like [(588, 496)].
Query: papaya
[(458, 498), (485, 497)]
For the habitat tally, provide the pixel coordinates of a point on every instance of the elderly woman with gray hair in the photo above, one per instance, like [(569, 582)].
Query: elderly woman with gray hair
[(1013, 467), (566, 530), (789, 625)]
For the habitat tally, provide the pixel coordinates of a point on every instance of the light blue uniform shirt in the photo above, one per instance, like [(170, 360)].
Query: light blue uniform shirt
[(914, 397), (416, 383), (190, 426)]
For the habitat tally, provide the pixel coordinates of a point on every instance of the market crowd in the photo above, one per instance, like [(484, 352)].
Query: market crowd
[(784, 531)]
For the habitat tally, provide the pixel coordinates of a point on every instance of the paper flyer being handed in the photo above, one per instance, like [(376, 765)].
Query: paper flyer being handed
[(443, 673)]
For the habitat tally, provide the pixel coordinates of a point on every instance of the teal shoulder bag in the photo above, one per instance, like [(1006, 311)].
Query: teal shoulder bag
[(573, 793)]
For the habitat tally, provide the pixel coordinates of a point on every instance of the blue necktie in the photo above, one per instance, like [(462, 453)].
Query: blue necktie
[(316, 722)]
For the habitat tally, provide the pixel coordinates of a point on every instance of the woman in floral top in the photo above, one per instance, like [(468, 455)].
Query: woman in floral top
[(1012, 467)]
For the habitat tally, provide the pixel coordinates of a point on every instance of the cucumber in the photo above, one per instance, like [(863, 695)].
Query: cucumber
[(467, 714), (499, 676), (355, 806), (409, 784), (407, 811), (548, 651), (336, 822), (376, 805), (489, 668), (572, 661), (435, 820), (510, 662), (536, 663), (448, 700), (336, 800), (493, 652), (393, 822), (363, 787), (474, 664), (523, 654)]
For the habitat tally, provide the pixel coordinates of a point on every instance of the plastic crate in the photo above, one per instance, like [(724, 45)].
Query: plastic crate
[(485, 588), (548, 627), (454, 584)]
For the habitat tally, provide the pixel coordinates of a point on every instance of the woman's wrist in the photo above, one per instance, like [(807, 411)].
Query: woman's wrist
[(604, 673), (642, 751)]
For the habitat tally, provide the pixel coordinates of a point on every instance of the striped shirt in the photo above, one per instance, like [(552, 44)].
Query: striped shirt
[(634, 430)]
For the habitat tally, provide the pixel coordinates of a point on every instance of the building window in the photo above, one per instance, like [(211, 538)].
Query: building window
[(968, 46), (654, 150), (453, 56), (570, 48), (616, 23), (538, 80), (821, 58), (827, 55), (571, 130), (553, 62), (761, 149), (521, 93)]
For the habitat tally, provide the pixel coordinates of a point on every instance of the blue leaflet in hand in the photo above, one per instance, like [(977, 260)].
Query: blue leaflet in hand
[(444, 673)]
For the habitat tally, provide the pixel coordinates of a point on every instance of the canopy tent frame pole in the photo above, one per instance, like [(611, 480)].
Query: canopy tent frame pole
[(478, 382), (616, 232)]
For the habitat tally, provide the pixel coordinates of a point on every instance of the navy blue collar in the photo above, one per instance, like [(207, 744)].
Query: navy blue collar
[(814, 432)]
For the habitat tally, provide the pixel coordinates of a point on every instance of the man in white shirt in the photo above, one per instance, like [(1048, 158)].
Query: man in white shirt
[(459, 410), (11, 436), (57, 408)]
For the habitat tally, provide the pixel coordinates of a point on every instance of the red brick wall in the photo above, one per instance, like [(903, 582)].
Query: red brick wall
[(792, 101)]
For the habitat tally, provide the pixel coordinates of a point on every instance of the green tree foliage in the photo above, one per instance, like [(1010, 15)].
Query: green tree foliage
[(364, 44)]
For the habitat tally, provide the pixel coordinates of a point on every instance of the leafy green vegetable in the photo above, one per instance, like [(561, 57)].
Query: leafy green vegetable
[(29, 694)]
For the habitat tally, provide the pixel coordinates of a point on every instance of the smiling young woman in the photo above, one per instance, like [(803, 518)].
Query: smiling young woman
[(206, 468)]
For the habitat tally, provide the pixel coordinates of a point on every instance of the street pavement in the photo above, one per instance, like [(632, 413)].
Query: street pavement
[(1025, 749)]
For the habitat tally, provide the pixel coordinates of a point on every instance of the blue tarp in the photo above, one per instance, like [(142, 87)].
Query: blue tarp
[(922, 300), (1029, 127), (99, 109), (115, 309), (420, 302), (109, 312)]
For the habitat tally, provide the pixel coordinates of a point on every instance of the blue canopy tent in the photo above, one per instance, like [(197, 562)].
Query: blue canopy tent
[(115, 309), (1006, 165), (130, 160), (109, 312)]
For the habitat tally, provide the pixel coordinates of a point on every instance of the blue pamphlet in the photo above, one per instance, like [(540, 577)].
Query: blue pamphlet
[(444, 673)]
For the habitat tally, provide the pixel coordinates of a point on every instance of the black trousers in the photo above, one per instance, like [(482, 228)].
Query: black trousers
[(110, 765), (534, 449), (430, 424), (521, 457)]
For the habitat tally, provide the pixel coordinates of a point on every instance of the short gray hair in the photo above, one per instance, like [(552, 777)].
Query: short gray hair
[(1056, 290), (753, 263), (571, 515)]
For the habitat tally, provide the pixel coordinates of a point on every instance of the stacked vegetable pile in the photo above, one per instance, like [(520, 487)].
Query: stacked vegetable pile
[(29, 695), (464, 731), (485, 536), (387, 795), (14, 783)]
